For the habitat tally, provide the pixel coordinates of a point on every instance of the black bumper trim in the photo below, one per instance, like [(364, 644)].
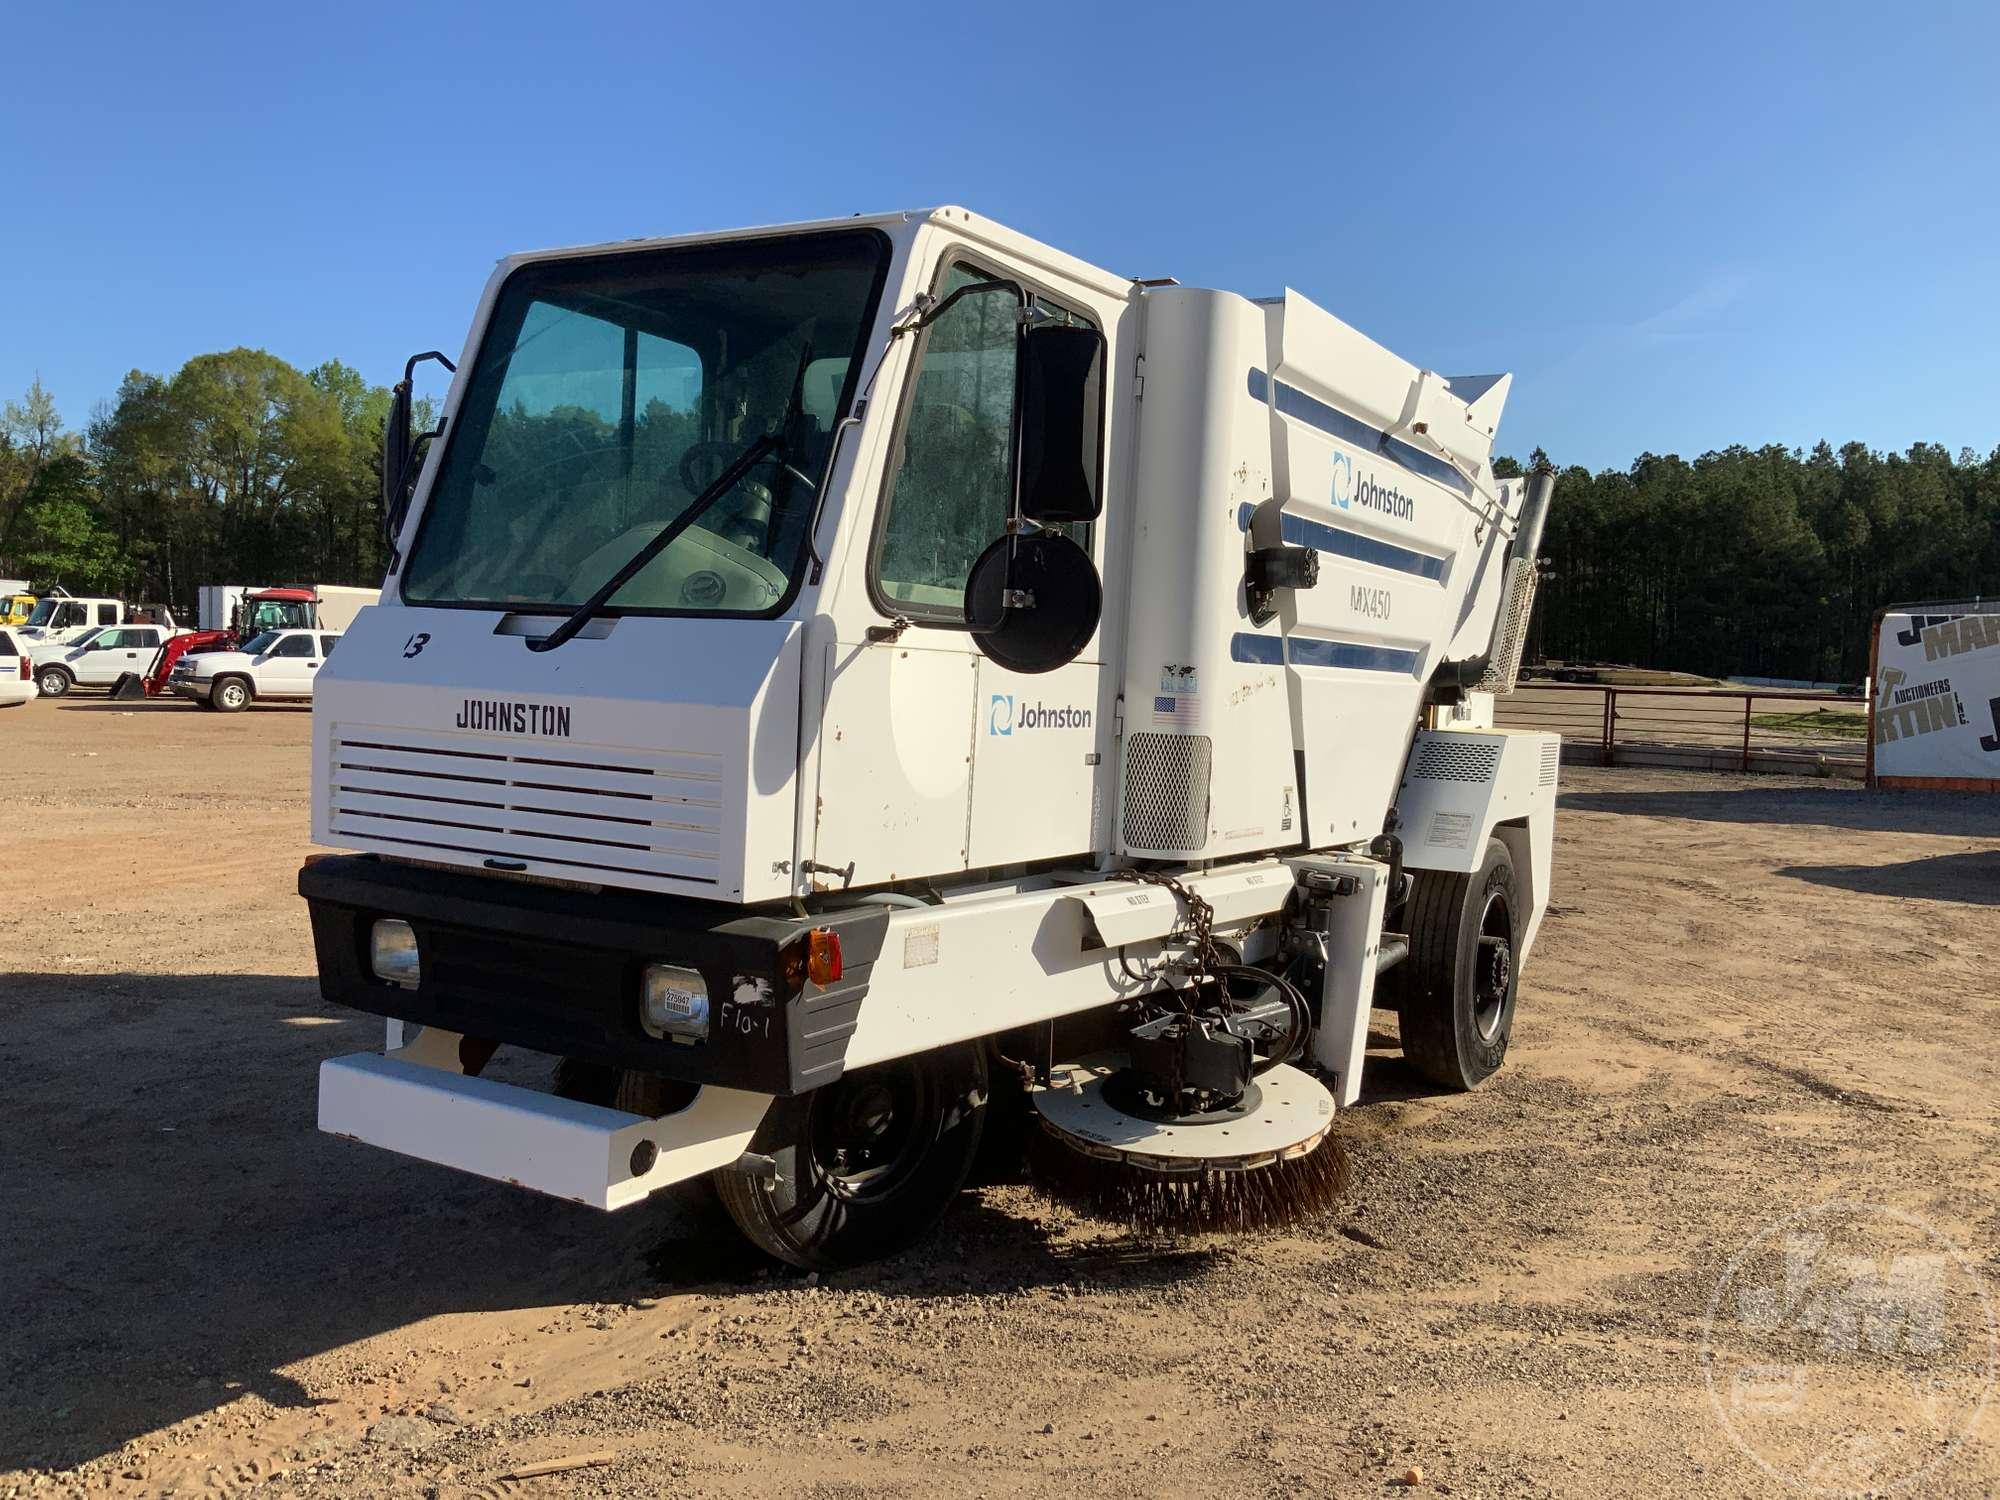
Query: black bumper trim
[(557, 970)]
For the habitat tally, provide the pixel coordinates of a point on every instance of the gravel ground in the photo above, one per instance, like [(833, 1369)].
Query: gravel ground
[(1753, 996)]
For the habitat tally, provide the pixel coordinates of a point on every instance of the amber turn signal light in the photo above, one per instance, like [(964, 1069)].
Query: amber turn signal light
[(823, 956)]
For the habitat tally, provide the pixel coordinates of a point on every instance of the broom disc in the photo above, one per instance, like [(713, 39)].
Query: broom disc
[(1243, 1169)]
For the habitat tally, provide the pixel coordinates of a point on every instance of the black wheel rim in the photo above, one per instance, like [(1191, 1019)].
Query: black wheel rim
[(1493, 968), (870, 1131)]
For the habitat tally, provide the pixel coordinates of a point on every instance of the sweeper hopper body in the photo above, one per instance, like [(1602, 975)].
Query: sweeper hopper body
[(829, 676)]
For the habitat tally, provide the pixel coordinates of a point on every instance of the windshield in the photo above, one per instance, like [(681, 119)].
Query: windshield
[(274, 614), (610, 391), (257, 645), (43, 609)]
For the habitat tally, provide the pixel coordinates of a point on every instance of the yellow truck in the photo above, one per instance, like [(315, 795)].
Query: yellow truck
[(15, 608)]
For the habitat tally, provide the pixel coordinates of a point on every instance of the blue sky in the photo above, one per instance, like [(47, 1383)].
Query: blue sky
[(1680, 226)]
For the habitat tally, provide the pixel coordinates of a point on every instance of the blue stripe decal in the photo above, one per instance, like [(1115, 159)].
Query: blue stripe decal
[(1357, 658), (1321, 537), (1270, 651), (1263, 650), (1294, 402)]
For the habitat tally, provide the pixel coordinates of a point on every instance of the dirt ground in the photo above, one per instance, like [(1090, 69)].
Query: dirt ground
[(1752, 996)]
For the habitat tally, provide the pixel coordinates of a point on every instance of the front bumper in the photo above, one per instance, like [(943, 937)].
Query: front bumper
[(588, 1154), (189, 687), (556, 970)]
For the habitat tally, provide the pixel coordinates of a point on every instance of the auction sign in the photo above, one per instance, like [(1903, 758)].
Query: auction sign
[(1934, 712)]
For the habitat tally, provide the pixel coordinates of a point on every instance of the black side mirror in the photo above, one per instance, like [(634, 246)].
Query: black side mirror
[(1062, 416), (397, 445), (395, 459)]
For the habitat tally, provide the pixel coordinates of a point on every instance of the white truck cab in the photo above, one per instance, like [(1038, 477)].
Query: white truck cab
[(279, 664), (61, 619), (99, 657), (825, 669)]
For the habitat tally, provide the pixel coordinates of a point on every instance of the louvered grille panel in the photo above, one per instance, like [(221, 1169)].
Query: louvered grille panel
[(583, 810)]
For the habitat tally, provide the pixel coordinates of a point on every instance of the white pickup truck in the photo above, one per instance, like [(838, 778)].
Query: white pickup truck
[(98, 657), (277, 664)]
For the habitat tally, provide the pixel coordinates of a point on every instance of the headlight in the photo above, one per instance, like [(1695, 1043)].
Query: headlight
[(673, 1003), (392, 953)]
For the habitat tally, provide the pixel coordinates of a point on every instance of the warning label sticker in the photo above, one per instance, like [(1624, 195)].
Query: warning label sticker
[(1449, 830)]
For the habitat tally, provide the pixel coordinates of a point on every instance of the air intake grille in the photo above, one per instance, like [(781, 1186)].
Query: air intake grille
[(574, 812), (1552, 754), (1447, 757), (1166, 791)]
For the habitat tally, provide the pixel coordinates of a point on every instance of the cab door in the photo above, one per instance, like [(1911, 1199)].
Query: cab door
[(933, 758), (95, 664), (288, 669)]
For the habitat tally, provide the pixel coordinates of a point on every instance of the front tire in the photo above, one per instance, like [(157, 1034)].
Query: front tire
[(231, 695), (1459, 981), (866, 1165), (54, 682)]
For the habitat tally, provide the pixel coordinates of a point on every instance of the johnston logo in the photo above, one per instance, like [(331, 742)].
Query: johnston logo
[(1367, 492), (1003, 718), (506, 716)]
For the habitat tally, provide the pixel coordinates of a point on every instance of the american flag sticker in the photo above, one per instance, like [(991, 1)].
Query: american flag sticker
[(1180, 712)]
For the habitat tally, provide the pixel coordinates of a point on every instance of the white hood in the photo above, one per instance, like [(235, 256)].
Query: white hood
[(649, 752)]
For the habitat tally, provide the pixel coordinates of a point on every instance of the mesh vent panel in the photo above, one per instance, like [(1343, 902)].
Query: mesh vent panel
[(1454, 758), (1551, 759), (1166, 791)]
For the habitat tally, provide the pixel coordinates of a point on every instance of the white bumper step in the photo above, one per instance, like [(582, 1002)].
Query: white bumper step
[(583, 1152)]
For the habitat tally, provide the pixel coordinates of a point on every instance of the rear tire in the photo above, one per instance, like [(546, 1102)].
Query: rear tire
[(866, 1165), (230, 695), (54, 682), (1459, 982)]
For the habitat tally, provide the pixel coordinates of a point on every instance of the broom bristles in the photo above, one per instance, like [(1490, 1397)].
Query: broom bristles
[(1233, 1199)]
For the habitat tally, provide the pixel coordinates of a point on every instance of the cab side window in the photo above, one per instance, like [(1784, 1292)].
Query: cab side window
[(326, 644), (951, 478), (953, 475), (71, 615), (295, 645), (107, 614), (107, 640)]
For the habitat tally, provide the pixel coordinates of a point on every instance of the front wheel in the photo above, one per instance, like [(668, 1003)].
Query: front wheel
[(866, 1165), (53, 682), (229, 695), (1459, 981)]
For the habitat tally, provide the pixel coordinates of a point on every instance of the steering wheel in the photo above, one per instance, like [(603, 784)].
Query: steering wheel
[(702, 464)]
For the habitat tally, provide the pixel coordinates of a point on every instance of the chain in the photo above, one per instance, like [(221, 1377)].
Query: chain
[(1200, 921)]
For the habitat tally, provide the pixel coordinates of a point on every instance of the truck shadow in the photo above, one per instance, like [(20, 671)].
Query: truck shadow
[(179, 1233), (1972, 878)]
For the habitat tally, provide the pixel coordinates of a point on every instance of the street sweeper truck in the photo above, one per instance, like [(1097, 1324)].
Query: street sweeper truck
[(844, 690)]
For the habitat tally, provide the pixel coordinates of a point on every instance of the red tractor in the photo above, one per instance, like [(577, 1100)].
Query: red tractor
[(268, 609)]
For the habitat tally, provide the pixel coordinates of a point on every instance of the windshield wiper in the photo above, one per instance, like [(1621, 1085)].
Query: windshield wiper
[(726, 481), (742, 464)]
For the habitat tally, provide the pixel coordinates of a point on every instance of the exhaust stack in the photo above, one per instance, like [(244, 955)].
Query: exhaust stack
[(1517, 605)]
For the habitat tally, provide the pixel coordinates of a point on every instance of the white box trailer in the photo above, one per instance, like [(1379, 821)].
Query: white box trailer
[(828, 673), (317, 606), (339, 603)]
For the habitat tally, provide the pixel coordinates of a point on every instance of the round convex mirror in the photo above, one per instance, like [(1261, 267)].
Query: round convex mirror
[(1056, 599)]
